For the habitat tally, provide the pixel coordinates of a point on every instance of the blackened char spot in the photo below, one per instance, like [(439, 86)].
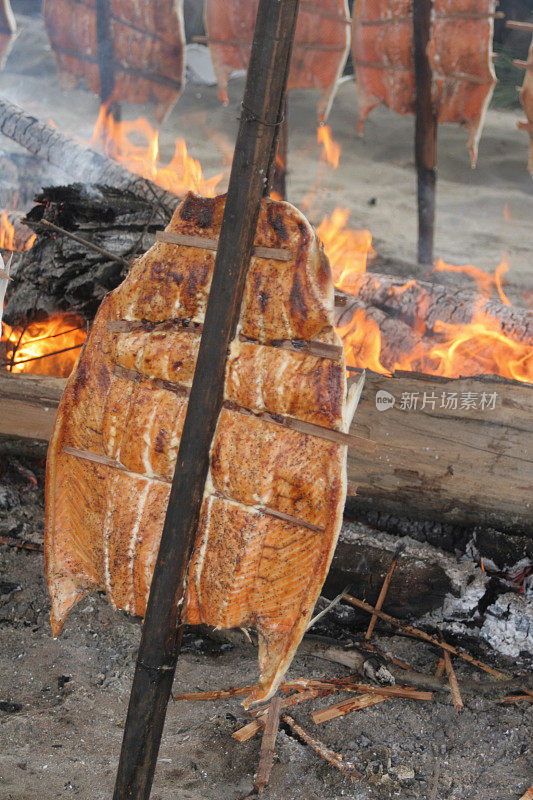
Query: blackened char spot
[(199, 210), (275, 220), (297, 299), (81, 380), (160, 441), (305, 234), (263, 301)]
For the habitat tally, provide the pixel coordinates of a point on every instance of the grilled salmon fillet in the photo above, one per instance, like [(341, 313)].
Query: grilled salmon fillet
[(148, 41), (460, 55), (274, 496), (526, 98), (321, 44)]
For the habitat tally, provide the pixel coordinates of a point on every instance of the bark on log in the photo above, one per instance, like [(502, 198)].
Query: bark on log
[(81, 163), (469, 464), (386, 295), (60, 274), (461, 466)]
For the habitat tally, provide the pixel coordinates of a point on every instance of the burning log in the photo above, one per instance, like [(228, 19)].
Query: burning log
[(60, 273), (420, 304), (81, 163)]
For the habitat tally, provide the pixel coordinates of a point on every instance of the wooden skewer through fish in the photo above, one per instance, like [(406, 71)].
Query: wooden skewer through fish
[(309, 428), (183, 240), (314, 348), (261, 509)]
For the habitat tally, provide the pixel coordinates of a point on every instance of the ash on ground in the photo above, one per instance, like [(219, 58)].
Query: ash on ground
[(63, 704)]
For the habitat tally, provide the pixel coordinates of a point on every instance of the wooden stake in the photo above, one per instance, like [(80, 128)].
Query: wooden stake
[(162, 630), (384, 589), (417, 633), (425, 132), (266, 759), (106, 57)]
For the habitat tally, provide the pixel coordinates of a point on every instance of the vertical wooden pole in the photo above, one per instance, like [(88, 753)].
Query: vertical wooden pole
[(161, 634), (279, 180), (425, 132), (106, 56)]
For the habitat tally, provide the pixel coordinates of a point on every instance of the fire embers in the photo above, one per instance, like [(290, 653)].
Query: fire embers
[(145, 50), (50, 347)]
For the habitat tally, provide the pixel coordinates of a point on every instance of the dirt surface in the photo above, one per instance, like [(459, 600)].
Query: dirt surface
[(63, 704)]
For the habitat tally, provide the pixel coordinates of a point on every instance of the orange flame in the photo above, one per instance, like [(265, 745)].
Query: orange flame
[(181, 175), (348, 250), (8, 236), (7, 233), (361, 339), (332, 149), (486, 282), (50, 347), (477, 348)]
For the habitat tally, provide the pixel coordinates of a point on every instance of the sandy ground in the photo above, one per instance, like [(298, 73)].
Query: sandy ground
[(63, 705), (375, 178)]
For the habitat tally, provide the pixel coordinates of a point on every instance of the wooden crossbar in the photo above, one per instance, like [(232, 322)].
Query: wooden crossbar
[(205, 243)]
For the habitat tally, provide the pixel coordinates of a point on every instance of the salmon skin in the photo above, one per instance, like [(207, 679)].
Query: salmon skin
[(526, 98), (460, 56), (274, 497), (321, 44), (148, 47)]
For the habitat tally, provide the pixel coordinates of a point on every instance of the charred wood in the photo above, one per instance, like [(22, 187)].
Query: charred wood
[(420, 304), (81, 163), (61, 274)]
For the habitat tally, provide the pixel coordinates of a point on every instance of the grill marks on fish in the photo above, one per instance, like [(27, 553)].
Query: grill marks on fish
[(460, 55), (273, 499)]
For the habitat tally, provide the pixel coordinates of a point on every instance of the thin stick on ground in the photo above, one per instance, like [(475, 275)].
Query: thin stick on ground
[(416, 632), (253, 727), (386, 655), (336, 760), (384, 589), (452, 679), (441, 666), (324, 611), (21, 544), (266, 758), (345, 707)]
